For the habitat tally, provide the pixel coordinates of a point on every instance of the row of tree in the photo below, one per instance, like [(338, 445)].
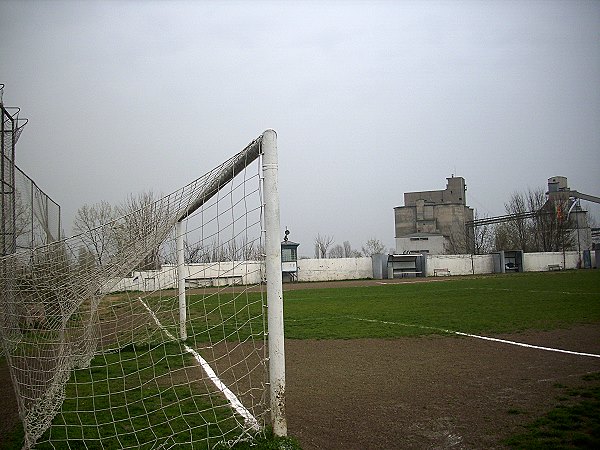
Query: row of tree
[(325, 248), (547, 228), (105, 230)]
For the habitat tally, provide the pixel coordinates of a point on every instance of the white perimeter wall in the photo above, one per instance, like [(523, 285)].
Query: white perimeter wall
[(480, 264), (210, 274), (250, 272), (538, 262), (220, 274), (334, 269), (460, 264)]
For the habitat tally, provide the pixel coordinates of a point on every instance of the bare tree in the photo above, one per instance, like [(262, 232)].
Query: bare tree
[(90, 223), (520, 228), (557, 226), (344, 251), (372, 247), (86, 260), (337, 252), (240, 249), (252, 250), (142, 215), (455, 244), (347, 249), (551, 226), (483, 236), (547, 230), (349, 252), (322, 244), (193, 253), (502, 237)]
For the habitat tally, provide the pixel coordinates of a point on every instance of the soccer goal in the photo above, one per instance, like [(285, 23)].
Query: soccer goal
[(161, 328)]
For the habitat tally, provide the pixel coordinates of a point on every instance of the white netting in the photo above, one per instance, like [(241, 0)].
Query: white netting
[(93, 342), (37, 216)]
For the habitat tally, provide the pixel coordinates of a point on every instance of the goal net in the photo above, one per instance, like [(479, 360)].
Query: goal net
[(152, 330)]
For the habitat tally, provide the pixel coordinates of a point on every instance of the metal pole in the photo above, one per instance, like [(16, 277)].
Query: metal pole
[(578, 240), (3, 182), (181, 281), (31, 222), (274, 284), (13, 192)]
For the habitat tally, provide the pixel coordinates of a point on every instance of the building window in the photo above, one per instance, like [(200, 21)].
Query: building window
[(288, 255)]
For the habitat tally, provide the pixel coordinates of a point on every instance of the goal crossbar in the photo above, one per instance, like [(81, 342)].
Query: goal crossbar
[(234, 166)]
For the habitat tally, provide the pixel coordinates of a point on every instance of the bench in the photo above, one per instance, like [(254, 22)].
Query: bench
[(406, 273), (445, 272), (552, 267)]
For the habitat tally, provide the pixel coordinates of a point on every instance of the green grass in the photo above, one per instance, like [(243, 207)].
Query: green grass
[(158, 412), (487, 304), (267, 442), (574, 423), (214, 318), (119, 402), (494, 304)]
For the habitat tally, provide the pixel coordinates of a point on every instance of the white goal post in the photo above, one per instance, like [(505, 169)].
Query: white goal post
[(274, 285), (267, 147), (163, 327)]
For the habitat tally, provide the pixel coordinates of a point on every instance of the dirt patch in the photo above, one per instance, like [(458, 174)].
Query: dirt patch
[(428, 392), (9, 412)]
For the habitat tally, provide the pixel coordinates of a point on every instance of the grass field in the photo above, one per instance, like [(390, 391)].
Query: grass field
[(493, 304), (481, 305), (123, 403)]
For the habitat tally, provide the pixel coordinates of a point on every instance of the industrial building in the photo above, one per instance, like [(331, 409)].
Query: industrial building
[(434, 222), (559, 191)]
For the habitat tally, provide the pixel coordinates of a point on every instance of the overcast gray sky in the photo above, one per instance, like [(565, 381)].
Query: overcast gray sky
[(369, 100)]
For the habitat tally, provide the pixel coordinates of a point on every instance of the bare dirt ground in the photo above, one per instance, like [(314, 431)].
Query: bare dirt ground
[(416, 393), (9, 412), (428, 392)]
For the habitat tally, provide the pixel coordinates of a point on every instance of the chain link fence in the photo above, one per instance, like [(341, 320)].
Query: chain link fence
[(37, 216), (29, 217)]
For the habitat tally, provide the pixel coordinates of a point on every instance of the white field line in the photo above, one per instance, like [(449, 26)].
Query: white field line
[(486, 338), (250, 420)]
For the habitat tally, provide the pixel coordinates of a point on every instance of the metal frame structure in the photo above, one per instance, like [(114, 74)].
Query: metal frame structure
[(570, 194), (20, 197), (11, 127)]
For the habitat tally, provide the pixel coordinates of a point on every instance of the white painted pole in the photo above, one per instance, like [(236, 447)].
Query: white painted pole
[(181, 281), (274, 281)]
